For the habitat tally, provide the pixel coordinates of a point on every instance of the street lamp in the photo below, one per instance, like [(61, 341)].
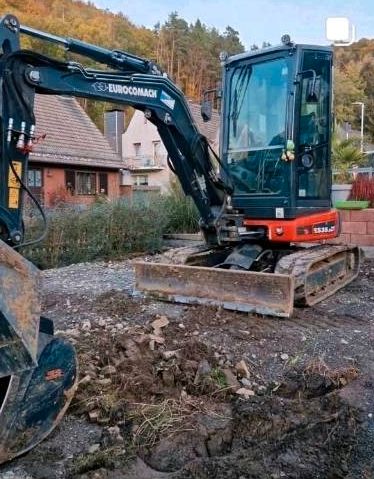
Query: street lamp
[(362, 122)]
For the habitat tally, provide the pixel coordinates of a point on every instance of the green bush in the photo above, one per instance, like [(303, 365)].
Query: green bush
[(103, 230), (181, 213), (109, 229)]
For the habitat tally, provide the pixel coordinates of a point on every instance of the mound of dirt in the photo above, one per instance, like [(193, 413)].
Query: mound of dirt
[(172, 399)]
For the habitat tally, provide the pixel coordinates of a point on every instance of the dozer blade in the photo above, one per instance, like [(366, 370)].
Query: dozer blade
[(263, 293), (38, 372)]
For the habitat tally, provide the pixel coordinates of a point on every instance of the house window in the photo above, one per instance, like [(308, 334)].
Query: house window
[(137, 148), (141, 180), (70, 181), (85, 183), (156, 152), (103, 183), (35, 178)]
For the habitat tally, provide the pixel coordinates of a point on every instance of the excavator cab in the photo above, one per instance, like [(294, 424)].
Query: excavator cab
[(276, 130)]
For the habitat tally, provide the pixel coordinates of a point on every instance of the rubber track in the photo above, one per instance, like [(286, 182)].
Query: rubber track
[(308, 261)]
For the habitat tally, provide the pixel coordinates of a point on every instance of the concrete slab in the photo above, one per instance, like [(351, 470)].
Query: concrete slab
[(368, 251)]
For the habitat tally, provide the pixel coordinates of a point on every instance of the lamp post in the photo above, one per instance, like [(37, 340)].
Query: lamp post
[(362, 122)]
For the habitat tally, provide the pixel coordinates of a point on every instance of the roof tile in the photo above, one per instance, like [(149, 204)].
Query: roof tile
[(71, 136)]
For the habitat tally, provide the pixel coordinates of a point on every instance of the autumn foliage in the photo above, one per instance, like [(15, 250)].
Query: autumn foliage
[(188, 52)]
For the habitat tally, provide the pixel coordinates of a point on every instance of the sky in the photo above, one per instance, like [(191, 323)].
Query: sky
[(256, 20)]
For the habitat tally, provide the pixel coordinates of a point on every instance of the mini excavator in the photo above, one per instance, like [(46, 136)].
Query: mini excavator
[(263, 202)]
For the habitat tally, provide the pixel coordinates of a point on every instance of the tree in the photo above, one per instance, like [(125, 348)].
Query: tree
[(345, 154), (349, 88)]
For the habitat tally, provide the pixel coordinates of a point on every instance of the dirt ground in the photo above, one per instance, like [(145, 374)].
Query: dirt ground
[(173, 391)]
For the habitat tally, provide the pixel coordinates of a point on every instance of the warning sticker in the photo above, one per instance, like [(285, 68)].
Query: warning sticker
[(12, 179), (14, 185), (13, 198)]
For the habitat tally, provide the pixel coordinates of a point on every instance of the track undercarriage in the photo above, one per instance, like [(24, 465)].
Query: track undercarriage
[(251, 278)]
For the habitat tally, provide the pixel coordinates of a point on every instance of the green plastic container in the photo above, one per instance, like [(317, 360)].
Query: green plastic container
[(351, 205)]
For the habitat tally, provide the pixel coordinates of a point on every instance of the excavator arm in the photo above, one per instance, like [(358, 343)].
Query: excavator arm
[(135, 82)]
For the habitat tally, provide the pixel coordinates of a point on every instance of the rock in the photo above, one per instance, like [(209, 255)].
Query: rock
[(242, 369), (93, 448), (195, 333), (158, 324), (74, 333), (17, 473), (203, 370), (157, 339), (86, 325), (284, 356), (131, 348), (104, 382), (112, 436), (172, 453), (170, 354), (231, 379), (246, 393), (181, 325), (108, 370), (344, 341), (94, 415), (85, 380), (246, 383), (103, 420), (184, 396), (217, 429), (101, 323)]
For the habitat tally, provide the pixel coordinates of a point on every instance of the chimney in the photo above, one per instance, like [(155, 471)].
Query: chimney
[(114, 125)]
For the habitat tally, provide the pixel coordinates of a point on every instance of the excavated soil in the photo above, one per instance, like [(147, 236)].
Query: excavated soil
[(173, 391)]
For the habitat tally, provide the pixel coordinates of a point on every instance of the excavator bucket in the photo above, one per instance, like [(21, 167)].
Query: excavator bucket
[(38, 372), (263, 293)]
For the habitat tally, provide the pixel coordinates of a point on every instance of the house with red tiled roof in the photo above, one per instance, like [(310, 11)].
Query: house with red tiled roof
[(74, 162), (145, 155)]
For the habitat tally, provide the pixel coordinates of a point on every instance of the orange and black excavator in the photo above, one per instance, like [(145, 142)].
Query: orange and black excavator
[(262, 201)]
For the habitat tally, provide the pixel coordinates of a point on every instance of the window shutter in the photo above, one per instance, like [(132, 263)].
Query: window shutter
[(70, 180), (103, 183)]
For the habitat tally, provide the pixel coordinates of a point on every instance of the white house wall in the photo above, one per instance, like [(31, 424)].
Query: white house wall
[(142, 131)]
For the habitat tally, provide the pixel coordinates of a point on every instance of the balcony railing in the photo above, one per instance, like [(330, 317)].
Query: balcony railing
[(142, 162)]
